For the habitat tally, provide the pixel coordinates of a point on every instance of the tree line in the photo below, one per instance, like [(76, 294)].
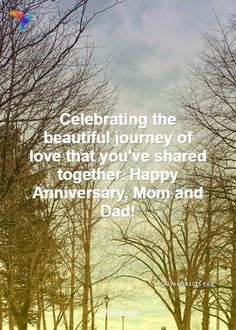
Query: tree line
[(54, 264)]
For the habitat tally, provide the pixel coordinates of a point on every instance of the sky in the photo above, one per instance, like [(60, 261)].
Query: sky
[(151, 44)]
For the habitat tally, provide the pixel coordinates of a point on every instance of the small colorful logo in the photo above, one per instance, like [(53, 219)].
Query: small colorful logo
[(22, 17)]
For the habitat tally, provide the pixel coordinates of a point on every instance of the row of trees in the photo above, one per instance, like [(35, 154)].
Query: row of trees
[(50, 251), (47, 247), (189, 241)]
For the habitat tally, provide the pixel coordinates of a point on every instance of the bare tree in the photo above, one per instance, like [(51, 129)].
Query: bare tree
[(45, 71), (208, 102), (167, 248)]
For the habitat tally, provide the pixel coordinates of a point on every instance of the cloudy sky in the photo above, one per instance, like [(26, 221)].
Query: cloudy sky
[(151, 43)]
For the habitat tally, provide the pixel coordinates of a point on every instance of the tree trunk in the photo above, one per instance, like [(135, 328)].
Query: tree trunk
[(11, 289), (91, 304), (206, 310), (21, 322), (39, 313), (187, 309), (72, 280), (10, 319), (86, 287), (1, 313), (87, 266), (177, 316), (206, 294), (232, 323), (43, 313), (54, 316), (65, 321)]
